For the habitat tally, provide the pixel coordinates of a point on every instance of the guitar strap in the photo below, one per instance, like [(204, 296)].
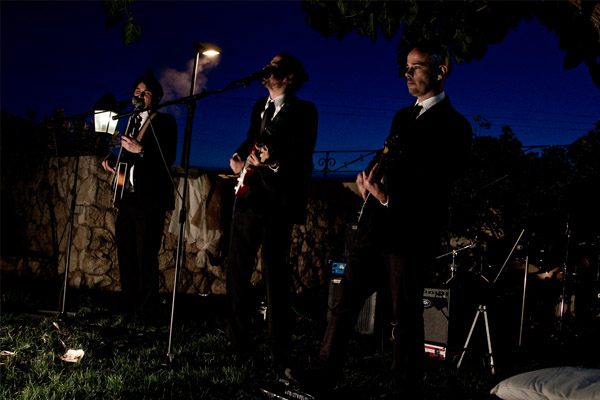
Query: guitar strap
[(143, 129)]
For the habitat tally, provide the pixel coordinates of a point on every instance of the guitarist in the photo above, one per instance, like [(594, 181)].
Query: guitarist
[(148, 150), (278, 149), (406, 188)]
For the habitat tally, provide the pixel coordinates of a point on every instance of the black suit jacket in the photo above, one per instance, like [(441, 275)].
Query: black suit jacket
[(151, 175), (291, 138), (426, 157)]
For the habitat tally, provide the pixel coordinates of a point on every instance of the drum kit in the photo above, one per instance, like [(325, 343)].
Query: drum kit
[(550, 286)]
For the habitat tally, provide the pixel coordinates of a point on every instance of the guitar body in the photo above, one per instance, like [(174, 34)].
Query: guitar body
[(242, 188), (124, 163), (120, 178), (246, 178)]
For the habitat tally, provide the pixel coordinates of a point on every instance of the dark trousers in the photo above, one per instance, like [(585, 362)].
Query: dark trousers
[(248, 232), (139, 235), (368, 269)]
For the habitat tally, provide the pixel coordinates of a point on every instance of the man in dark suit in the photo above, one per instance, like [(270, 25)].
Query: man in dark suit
[(274, 163), (144, 196), (406, 190)]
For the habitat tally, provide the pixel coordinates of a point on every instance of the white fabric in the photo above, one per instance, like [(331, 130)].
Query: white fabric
[(195, 229), (551, 384)]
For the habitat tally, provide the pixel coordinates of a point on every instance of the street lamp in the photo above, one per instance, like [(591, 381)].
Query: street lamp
[(208, 52)]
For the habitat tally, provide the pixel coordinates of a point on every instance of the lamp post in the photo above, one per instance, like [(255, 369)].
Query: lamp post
[(209, 51)]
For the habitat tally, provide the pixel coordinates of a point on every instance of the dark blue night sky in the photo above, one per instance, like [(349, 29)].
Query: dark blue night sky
[(60, 55)]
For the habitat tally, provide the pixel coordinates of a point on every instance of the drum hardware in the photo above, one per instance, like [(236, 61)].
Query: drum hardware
[(565, 271), (520, 265), (454, 253), (509, 256), (565, 306), (482, 309)]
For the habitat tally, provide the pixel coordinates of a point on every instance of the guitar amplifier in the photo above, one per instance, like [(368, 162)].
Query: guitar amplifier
[(436, 317)]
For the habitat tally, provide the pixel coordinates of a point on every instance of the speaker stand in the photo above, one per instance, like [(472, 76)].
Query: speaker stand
[(481, 309)]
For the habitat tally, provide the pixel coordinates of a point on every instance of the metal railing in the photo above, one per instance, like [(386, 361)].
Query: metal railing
[(340, 163), (345, 164)]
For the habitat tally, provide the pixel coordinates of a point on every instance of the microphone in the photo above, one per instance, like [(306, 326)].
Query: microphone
[(261, 74), (138, 101)]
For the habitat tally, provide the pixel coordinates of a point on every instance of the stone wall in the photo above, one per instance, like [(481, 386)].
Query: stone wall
[(39, 203)]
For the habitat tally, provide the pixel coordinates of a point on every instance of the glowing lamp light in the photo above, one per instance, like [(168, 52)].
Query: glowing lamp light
[(211, 53), (104, 110), (209, 50), (104, 122)]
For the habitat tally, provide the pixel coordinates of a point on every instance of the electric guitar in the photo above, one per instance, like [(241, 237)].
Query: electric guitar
[(382, 160), (244, 182)]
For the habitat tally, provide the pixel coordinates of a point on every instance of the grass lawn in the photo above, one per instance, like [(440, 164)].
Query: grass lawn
[(127, 359)]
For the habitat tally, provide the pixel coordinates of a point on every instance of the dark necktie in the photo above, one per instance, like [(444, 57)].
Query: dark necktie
[(267, 116), (416, 110), (137, 124)]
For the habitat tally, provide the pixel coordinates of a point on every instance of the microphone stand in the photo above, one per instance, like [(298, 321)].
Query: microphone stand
[(190, 102), (185, 157), (63, 301)]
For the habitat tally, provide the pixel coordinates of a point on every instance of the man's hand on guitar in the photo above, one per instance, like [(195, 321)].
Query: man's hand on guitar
[(131, 145), (360, 183), (107, 167), (264, 154), (253, 159), (367, 183), (236, 163)]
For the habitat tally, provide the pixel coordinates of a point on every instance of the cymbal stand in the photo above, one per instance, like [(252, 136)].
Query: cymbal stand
[(525, 273), (509, 255), (454, 254), (565, 271)]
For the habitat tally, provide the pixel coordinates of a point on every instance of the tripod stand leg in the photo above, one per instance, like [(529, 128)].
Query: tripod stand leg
[(489, 340), (481, 309), (466, 346)]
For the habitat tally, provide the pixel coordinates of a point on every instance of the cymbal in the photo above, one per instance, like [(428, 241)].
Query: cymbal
[(519, 265), (552, 274)]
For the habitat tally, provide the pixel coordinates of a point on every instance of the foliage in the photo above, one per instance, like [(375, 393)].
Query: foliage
[(119, 11), (466, 27), (547, 191)]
